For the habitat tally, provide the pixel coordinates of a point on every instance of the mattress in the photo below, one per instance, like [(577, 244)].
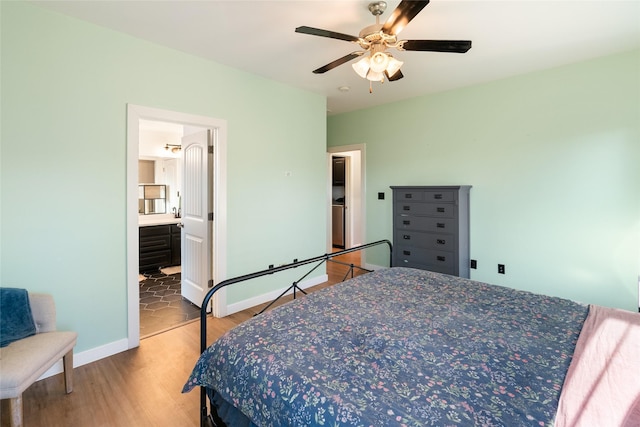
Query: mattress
[(398, 346)]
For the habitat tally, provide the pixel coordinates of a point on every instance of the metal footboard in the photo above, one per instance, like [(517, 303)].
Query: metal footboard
[(205, 419)]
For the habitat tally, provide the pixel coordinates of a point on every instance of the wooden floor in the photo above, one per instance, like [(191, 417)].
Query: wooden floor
[(138, 387)]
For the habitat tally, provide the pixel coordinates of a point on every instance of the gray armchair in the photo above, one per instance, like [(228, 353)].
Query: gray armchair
[(22, 362)]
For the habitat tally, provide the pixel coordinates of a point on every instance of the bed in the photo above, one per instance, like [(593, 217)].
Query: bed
[(407, 347)]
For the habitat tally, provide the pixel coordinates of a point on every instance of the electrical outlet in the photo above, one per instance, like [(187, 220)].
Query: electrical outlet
[(270, 266), (501, 268), (474, 263), (380, 196)]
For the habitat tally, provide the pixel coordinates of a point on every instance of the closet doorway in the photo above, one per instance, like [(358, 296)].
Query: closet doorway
[(350, 196)]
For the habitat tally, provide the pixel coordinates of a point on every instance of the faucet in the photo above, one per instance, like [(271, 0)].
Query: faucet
[(176, 212)]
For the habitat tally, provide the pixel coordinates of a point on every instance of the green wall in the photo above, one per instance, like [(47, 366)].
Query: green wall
[(554, 160), (65, 89)]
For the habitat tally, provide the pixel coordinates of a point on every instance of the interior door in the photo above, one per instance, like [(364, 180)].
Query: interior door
[(197, 225)]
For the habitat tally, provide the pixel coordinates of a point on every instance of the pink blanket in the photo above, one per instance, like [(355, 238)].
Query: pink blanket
[(602, 387)]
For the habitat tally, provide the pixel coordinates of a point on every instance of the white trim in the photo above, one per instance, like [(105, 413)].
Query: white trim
[(375, 267), (270, 296), (219, 305), (134, 114), (348, 150), (89, 356), (328, 203)]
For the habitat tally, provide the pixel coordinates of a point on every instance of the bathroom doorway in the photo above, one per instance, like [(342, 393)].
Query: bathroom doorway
[(161, 165), (216, 239)]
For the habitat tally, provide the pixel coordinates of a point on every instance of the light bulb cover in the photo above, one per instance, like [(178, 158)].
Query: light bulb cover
[(379, 62), (375, 76), (362, 67), (394, 66)]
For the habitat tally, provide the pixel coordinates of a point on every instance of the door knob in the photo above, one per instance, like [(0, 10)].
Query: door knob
[(181, 225)]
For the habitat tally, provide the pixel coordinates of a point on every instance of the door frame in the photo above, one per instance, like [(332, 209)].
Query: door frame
[(355, 216), (219, 263)]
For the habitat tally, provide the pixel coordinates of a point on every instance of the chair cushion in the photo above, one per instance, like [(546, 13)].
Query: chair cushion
[(16, 320), (23, 362)]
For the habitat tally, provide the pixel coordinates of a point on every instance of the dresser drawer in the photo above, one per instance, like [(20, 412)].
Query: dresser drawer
[(435, 268), (439, 196), (443, 242), (426, 196), (421, 223), (409, 195), (407, 256), (442, 210)]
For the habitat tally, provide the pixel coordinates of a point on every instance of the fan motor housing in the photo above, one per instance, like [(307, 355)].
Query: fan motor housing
[(371, 33)]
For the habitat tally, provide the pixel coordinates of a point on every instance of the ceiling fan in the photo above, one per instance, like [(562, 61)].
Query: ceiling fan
[(377, 38)]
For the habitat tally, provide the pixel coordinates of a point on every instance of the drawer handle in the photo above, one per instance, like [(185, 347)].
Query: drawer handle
[(406, 208), (408, 196), (440, 258), (406, 252), (406, 236), (406, 222), (440, 224), (437, 196), (440, 209), (440, 241)]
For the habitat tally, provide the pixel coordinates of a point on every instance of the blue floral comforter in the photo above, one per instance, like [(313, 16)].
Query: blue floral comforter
[(399, 347)]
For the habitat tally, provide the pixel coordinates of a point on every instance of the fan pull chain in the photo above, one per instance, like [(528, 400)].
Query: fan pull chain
[(370, 87)]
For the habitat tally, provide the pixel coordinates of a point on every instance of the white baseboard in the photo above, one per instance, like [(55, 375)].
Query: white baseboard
[(374, 267), (270, 296), (88, 356), (97, 353)]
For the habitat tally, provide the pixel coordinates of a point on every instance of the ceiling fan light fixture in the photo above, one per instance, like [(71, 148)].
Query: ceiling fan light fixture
[(375, 39), (374, 67), (362, 67), (379, 62), (394, 66), (375, 76)]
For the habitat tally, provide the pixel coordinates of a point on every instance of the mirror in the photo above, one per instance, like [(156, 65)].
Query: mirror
[(152, 199)]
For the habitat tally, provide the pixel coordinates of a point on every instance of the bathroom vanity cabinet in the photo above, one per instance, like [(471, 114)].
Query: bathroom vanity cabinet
[(159, 247)]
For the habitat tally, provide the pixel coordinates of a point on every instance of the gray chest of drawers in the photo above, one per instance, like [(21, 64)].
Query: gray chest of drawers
[(431, 228)]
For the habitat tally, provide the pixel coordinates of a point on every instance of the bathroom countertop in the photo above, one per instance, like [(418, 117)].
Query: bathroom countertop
[(160, 219)]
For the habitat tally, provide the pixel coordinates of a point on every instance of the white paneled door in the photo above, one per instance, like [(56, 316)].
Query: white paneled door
[(197, 225)]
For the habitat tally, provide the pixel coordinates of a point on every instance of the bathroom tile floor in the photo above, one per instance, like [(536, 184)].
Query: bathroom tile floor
[(161, 305)]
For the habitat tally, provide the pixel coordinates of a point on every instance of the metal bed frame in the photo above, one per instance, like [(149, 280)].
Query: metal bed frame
[(205, 415)]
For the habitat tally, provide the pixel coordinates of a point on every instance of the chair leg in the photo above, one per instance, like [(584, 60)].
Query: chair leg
[(67, 361), (15, 407)]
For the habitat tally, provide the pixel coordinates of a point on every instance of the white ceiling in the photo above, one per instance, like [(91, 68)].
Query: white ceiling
[(510, 37), (155, 135)]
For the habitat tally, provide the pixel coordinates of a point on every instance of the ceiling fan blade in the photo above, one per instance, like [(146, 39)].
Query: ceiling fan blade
[(457, 46), (397, 76), (339, 61), (326, 33), (402, 15)]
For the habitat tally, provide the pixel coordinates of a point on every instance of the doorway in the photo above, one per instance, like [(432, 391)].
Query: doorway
[(217, 182), (351, 196), (174, 239)]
